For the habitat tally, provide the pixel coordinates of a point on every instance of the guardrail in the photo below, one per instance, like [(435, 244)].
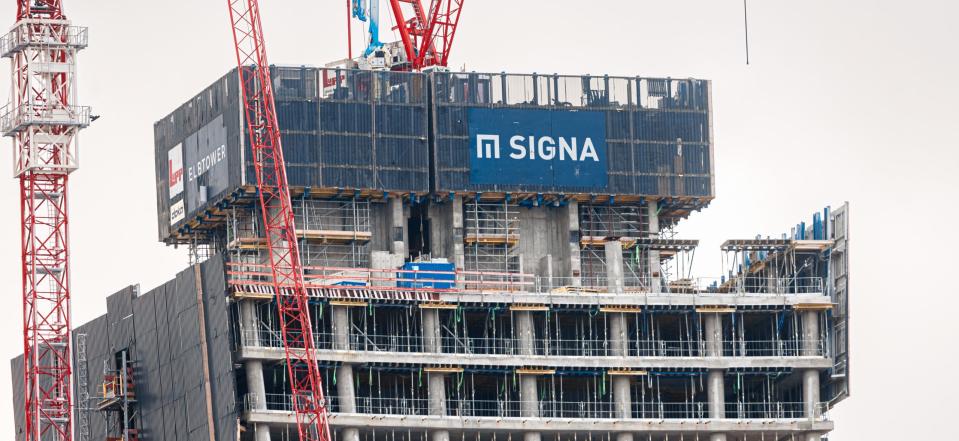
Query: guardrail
[(47, 34), (13, 117), (431, 281), (544, 347), (692, 410)]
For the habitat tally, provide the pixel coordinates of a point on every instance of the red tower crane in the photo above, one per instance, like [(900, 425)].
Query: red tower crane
[(427, 35), (256, 90), (43, 119)]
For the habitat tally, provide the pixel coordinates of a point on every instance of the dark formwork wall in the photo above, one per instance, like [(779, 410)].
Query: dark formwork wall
[(341, 129), (161, 330)]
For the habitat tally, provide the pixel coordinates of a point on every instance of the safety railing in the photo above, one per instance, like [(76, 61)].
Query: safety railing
[(544, 347), (775, 348), (320, 277), (455, 407), (15, 116), (46, 34)]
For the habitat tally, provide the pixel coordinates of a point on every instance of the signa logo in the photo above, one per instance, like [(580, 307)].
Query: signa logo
[(544, 148)]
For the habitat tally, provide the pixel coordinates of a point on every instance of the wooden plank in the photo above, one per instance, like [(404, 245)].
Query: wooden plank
[(528, 371)]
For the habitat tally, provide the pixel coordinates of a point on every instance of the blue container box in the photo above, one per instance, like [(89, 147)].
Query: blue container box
[(445, 279)]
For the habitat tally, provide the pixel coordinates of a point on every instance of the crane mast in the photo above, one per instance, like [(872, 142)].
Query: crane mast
[(43, 119), (258, 104)]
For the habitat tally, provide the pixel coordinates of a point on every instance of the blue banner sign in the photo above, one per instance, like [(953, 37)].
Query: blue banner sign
[(561, 149)]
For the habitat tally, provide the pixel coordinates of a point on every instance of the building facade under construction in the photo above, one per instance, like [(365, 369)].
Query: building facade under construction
[(488, 256)]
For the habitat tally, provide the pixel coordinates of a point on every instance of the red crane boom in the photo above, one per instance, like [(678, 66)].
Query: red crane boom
[(428, 35), (256, 89)]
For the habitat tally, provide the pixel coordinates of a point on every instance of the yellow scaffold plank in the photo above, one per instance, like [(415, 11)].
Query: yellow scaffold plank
[(438, 305), (528, 307), (624, 309), (349, 303), (528, 371), (812, 306), (443, 370), (625, 372), (714, 309)]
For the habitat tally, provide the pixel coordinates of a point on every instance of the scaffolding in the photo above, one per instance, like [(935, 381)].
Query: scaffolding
[(332, 233), (83, 390), (118, 400), (491, 234)]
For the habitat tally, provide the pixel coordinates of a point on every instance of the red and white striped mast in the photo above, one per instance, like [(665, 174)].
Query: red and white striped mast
[(43, 119)]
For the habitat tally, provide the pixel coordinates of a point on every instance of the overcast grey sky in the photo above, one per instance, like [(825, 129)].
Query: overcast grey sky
[(843, 100)]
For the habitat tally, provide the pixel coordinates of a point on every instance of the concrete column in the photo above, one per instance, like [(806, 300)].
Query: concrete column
[(459, 253), (618, 329), (528, 396), (655, 280), (346, 396), (523, 329), (341, 327), (432, 338), (715, 381), (248, 324), (810, 334), (622, 396), (254, 368), (257, 387), (344, 388), (532, 436), (575, 264), (614, 266), (398, 229), (713, 324), (715, 391), (385, 261), (810, 386), (436, 386), (810, 378)]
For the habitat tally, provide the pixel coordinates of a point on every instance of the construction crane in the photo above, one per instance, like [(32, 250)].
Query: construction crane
[(43, 119), (426, 37), (256, 90)]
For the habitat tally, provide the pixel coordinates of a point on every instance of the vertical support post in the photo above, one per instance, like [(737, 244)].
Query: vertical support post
[(459, 249), (432, 338), (528, 396), (382, 260), (398, 230), (811, 344), (715, 381), (257, 388), (655, 276), (346, 396), (614, 267), (437, 402), (529, 399), (811, 388), (575, 263), (523, 332), (250, 336)]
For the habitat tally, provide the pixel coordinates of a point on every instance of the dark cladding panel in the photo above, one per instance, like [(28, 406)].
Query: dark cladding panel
[(16, 377), (120, 318), (145, 331)]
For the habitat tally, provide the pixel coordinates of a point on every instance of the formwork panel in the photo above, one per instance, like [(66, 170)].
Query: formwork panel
[(365, 131)]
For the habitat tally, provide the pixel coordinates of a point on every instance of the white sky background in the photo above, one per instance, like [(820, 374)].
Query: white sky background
[(851, 100)]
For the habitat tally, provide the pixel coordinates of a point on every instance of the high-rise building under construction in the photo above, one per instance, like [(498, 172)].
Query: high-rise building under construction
[(488, 256)]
